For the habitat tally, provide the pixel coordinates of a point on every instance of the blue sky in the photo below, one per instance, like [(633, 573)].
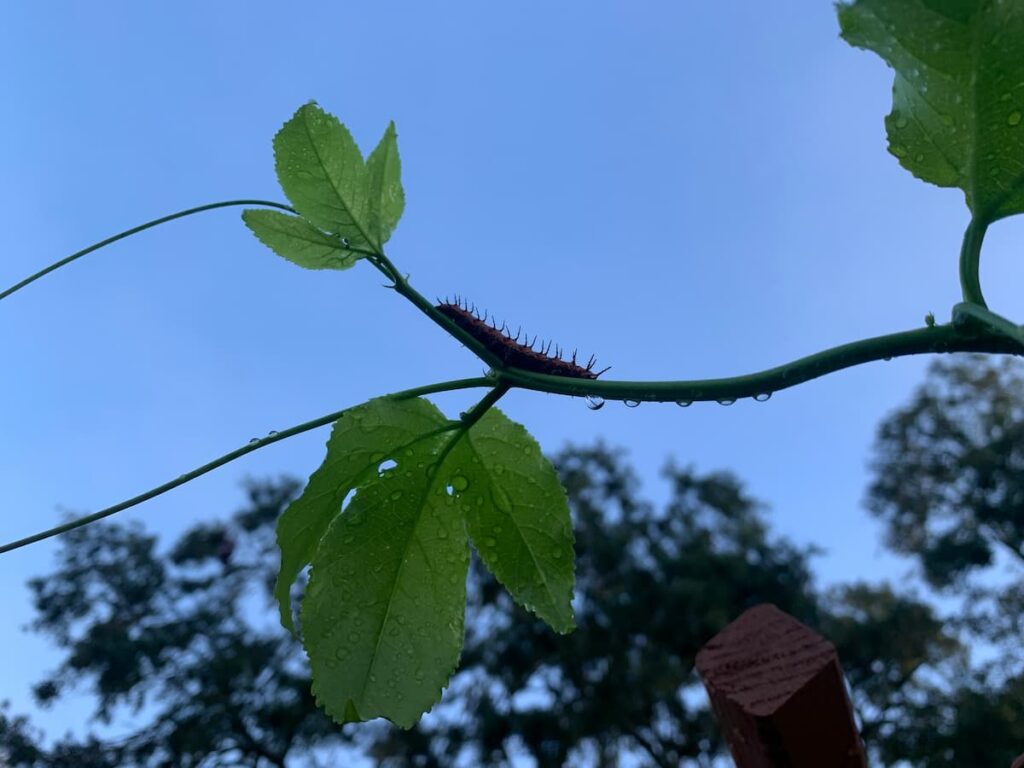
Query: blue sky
[(686, 190)]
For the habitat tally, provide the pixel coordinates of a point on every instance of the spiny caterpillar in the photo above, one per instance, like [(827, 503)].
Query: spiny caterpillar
[(500, 342)]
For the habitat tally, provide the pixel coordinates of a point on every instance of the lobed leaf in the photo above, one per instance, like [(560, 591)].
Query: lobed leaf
[(298, 241), (517, 515), (382, 618), (958, 94), (361, 440), (322, 172)]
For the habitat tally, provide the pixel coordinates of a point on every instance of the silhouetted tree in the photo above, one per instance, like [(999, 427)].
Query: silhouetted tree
[(949, 487), (184, 638)]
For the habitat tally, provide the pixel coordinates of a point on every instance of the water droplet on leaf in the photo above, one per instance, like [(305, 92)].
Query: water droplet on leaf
[(1014, 118)]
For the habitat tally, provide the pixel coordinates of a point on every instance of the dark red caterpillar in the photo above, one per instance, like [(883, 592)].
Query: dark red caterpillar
[(499, 342)]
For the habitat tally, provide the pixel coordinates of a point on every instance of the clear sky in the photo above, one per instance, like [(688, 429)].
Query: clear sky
[(684, 189)]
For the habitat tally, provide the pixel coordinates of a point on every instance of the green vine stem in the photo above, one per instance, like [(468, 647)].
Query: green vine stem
[(974, 329), (940, 338), (134, 231), (255, 445), (970, 256)]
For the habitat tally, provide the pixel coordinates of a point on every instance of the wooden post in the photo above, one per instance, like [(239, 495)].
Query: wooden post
[(778, 693)]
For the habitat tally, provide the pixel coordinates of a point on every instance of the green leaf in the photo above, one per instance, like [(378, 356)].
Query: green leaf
[(517, 515), (382, 617), (361, 440), (321, 170), (386, 197), (298, 241), (958, 95)]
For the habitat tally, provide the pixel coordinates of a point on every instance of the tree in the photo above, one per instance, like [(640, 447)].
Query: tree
[(949, 487), (170, 635)]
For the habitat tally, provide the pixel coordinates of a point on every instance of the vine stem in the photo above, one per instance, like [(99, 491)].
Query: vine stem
[(401, 285), (444, 386), (970, 257), (134, 231), (930, 339), (936, 339), (953, 337)]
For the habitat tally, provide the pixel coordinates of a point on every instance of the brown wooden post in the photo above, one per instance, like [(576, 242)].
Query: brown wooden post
[(778, 693)]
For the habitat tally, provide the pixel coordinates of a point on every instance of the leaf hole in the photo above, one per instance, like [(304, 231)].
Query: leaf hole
[(348, 498)]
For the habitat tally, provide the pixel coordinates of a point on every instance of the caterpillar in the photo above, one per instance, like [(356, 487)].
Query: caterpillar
[(499, 342)]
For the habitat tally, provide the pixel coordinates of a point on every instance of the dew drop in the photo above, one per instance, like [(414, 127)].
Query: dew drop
[(763, 397), (594, 403), (254, 440), (631, 403), (726, 401), (898, 150), (684, 403), (489, 542), (396, 495), (272, 433), (460, 483), (1006, 96), (901, 122), (501, 500), (919, 157), (1014, 118)]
